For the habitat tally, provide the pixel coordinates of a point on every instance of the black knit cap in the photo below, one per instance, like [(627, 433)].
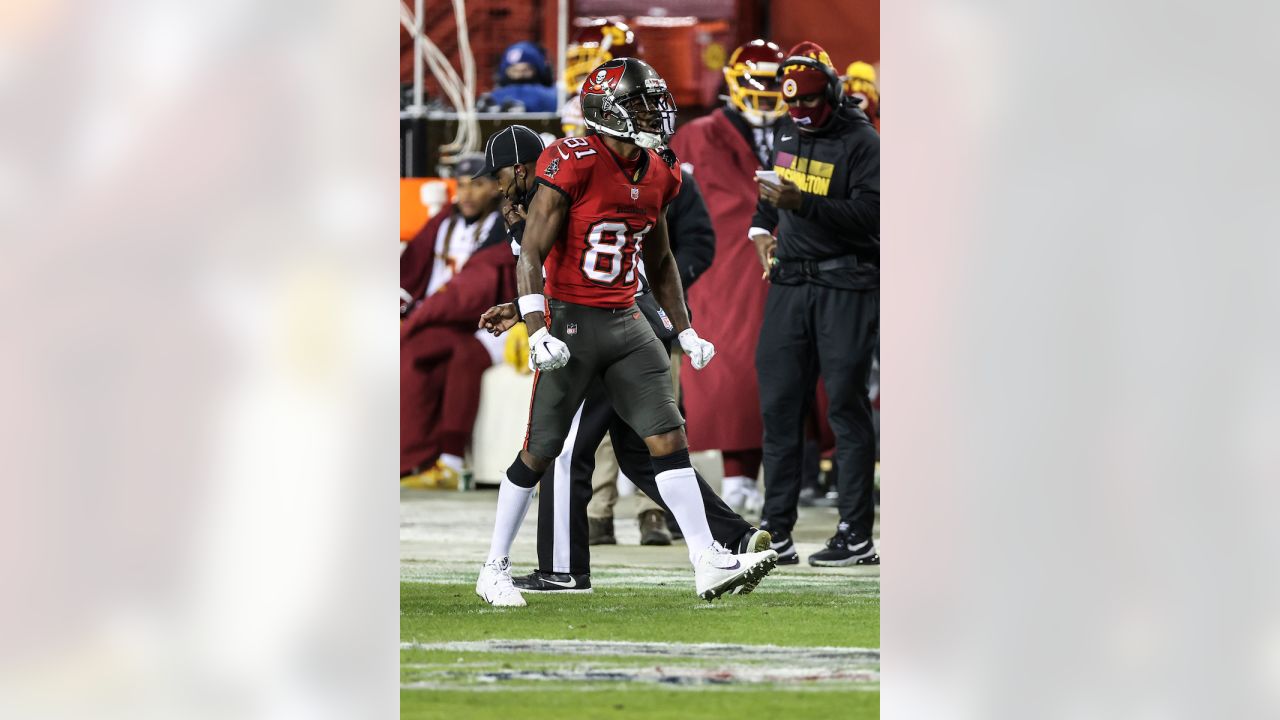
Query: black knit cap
[(511, 146)]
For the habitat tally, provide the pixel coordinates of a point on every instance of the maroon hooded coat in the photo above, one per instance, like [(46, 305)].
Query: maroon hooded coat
[(722, 404)]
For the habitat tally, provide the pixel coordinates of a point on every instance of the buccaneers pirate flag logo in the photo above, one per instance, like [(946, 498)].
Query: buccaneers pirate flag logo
[(603, 81)]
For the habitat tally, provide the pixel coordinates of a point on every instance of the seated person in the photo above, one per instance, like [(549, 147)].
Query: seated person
[(524, 79), (453, 270)]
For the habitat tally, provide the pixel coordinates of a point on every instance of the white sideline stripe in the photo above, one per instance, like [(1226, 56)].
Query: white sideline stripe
[(666, 674), (560, 487), (582, 687), (773, 653)]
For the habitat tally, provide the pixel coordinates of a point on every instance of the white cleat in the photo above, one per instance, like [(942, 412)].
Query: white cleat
[(720, 571), (495, 585)]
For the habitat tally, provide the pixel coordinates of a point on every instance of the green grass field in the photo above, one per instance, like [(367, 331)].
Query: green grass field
[(802, 644)]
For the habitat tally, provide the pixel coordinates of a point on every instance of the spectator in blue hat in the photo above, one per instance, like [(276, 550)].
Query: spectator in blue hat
[(524, 78)]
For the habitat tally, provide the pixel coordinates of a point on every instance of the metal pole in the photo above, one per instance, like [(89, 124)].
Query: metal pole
[(417, 58), (562, 39)]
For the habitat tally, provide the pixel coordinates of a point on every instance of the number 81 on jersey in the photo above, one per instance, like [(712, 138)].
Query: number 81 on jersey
[(610, 251)]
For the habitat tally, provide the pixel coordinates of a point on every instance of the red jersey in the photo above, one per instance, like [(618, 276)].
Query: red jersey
[(594, 261)]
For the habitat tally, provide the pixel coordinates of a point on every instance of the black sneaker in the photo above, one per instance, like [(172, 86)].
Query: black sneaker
[(843, 550), (538, 581), (781, 544)]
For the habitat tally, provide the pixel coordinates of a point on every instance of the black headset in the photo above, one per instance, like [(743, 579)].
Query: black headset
[(835, 89)]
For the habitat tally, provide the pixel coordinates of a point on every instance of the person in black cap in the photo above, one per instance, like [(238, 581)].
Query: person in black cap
[(441, 355), (510, 156), (564, 560)]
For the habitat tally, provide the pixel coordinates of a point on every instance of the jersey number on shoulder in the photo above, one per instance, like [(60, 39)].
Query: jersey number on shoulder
[(576, 142), (608, 251)]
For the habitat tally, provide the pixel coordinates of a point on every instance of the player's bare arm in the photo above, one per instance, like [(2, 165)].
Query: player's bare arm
[(545, 218), (664, 274), (664, 278)]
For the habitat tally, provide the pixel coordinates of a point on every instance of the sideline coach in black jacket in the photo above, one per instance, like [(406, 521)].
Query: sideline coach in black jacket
[(823, 311)]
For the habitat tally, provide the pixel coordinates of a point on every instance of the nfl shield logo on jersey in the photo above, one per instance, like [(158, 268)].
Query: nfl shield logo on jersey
[(572, 329), (635, 193)]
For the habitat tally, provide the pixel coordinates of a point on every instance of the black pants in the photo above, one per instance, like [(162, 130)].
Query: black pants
[(810, 329), (566, 487)]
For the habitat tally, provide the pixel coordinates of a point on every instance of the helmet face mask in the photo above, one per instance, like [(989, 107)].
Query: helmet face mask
[(628, 100), (751, 78)]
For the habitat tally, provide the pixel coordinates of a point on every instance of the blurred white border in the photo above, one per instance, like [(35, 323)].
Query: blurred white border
[(1080, 396), (199, 213)]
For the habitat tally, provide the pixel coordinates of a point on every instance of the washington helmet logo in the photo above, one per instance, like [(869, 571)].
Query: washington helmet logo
[(789, 87)]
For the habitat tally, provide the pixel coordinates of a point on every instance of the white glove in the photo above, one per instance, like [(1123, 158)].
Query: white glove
[(547, 352), (699, 351)]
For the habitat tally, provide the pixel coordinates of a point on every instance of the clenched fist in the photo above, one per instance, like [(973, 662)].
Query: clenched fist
[(547, 352), (699, 351)]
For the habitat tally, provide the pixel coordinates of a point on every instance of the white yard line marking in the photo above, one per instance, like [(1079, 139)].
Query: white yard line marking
[(772, 653), (668, 675)]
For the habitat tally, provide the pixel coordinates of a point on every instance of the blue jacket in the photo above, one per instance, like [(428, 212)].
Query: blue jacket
[(534, 96)]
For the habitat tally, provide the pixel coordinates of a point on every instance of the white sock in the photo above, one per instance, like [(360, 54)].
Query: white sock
[(453, 462), (679, 488), (737, 483), (513, 503)]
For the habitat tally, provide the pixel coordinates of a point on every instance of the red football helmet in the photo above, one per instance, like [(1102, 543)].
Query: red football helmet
[(751, 75), (595, 42)]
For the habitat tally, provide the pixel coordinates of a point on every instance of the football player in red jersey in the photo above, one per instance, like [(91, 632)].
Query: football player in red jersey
[(601, 213)]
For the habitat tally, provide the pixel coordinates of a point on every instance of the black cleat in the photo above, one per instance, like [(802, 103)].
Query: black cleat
[(844, 550), (752, 541), (786, 549), (538, 581)]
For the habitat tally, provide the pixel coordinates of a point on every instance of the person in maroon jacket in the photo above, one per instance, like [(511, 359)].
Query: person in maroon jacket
[(458, 266), (725, 149)]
